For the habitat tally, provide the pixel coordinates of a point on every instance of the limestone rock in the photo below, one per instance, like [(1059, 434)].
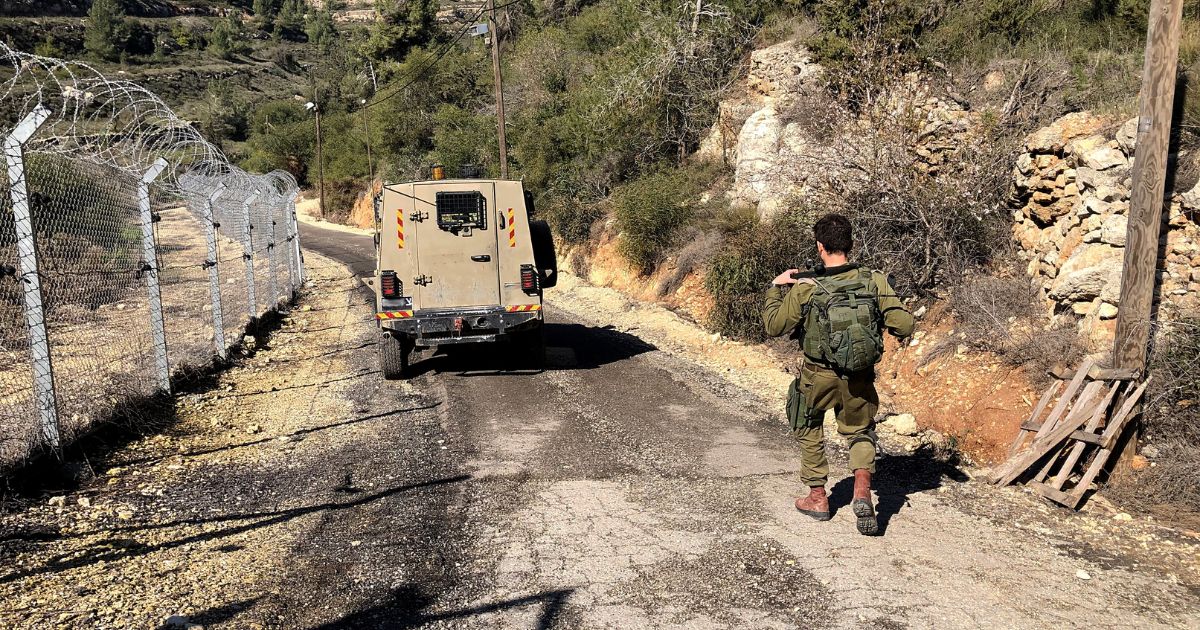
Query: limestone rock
[(1127, 135), (1105, 158), (758, 150), (1092, 271), (903, 424), (1114, 230), (1053, 138)]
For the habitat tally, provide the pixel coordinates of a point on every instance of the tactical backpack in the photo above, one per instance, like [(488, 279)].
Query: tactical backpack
[(842, 323)]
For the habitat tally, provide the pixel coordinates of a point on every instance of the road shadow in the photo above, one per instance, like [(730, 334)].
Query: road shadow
[(897, 478), (408, 607), (114, 548), (569, 346), (298, 433)]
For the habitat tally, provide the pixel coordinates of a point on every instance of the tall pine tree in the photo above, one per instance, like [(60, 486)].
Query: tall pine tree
[(106, 31)]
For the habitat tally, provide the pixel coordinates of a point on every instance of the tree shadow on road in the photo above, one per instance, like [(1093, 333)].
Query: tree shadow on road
[(897, 478), (408, 607), (115, 549)]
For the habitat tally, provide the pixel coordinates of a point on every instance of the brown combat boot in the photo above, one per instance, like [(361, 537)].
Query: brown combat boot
[(816, 504), (868, 525)]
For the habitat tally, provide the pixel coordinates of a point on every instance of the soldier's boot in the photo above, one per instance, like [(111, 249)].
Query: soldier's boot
[(816, 504), (868, 525)]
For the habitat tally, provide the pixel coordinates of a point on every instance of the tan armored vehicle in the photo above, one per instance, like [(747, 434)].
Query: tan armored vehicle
[(459, 261)]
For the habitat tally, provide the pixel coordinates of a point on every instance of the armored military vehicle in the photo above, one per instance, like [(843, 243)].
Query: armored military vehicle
[(459, 261)]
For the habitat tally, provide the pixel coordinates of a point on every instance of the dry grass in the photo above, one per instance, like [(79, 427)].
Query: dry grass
[(1002, 314)]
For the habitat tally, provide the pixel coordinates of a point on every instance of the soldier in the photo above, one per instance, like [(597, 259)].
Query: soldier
[(838, 312)]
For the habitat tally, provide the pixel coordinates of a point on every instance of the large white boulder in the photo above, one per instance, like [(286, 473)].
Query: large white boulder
[(1092, 271)]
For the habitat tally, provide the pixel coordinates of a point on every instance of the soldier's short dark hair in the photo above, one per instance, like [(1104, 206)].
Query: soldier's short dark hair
[(834, 232)]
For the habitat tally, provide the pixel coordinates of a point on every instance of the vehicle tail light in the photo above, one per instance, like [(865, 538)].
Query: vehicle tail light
[(390, 286), (529, 279)]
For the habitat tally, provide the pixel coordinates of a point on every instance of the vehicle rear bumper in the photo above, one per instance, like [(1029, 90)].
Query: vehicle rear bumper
[(438, 327)]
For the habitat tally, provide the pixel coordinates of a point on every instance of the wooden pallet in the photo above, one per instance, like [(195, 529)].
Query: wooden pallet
[(1086, 421)]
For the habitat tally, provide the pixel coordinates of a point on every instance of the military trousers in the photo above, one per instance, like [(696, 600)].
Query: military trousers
[(855, 401)]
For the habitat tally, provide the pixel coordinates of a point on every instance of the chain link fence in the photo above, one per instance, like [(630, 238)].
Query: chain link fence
[(130, 249)]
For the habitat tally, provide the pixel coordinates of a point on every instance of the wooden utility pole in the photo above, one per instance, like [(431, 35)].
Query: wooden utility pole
[(320, 163), (494, 27), (1146, 199)]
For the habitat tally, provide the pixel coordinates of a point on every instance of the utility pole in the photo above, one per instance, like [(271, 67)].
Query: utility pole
[(367, 137), (316, 109), (1146, 200), (495, 30)]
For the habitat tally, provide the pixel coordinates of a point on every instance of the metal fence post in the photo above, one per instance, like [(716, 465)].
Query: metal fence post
[(35, 316), (248, 254), (214, 273), (299, 257), (287, 250), (272, 255), (150, 268)]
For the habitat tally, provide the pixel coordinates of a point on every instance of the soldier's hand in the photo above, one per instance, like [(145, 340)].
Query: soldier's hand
[(786, 277)]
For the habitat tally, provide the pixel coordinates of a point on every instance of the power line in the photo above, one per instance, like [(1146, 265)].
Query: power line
[(420, 71)]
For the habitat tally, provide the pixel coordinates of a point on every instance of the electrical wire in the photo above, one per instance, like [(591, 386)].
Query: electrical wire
[(420, 70)]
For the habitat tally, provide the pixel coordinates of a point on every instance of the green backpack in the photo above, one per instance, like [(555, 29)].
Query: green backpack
[(842, 323)]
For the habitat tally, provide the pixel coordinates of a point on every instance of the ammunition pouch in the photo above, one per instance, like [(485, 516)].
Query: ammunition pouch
[(799, 415)]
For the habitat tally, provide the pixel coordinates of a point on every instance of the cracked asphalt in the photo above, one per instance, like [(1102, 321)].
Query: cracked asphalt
[(622, 487)]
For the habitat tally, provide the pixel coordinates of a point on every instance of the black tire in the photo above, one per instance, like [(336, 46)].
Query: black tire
[(544, 256), (394, 354)]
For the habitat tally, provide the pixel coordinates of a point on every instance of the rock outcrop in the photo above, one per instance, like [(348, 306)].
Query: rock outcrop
[(1071, 188), (782, 153)]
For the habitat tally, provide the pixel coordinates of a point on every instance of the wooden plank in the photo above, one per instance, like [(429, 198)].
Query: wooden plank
[(1064, 401), (1077, 450), (1083, 409), (1058, 496), (1037, 412), (1013, 468), (1089, 437), (1098, 373), (1111, 433)]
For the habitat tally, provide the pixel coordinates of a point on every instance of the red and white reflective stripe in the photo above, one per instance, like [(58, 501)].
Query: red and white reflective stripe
[(512, 229), (394, 315), (524, 308)]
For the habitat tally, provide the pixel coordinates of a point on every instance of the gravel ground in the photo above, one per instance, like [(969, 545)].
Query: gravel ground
[(625, 486)]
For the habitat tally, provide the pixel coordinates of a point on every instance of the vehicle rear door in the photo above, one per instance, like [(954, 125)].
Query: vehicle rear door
[(456, 246)]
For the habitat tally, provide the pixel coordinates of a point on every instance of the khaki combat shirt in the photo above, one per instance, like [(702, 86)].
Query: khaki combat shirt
[(782, 314)]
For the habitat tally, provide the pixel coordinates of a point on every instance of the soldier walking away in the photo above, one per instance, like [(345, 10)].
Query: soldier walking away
[(838, 312)]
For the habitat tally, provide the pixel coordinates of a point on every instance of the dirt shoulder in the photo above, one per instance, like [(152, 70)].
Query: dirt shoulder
[(263, 483)]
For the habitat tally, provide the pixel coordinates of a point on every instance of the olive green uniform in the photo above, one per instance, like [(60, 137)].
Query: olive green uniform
[(851, 396)]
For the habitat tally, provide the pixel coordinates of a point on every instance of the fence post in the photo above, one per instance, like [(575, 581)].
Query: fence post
[(248, 254), (35, 316), (300, 275), (272, 255), (214, 272), (287, 253), (150, 268)]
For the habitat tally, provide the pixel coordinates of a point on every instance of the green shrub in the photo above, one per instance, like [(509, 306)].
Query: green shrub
[(651, 210), (106, 31), (751, 258)]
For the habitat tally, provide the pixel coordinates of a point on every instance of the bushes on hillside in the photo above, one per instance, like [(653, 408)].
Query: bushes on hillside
[(649, 213), (753, 255)]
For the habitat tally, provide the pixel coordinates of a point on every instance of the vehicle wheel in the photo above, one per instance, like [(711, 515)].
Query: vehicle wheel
[(394, 354), (543, 253)]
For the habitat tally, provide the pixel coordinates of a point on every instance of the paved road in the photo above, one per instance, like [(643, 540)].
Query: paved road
[(625, 487), (622, 487)]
